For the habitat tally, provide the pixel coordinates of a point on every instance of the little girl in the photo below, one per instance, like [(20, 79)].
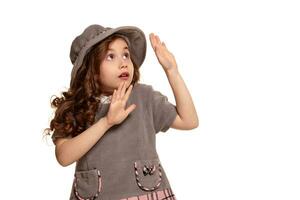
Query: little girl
[(106, 122)]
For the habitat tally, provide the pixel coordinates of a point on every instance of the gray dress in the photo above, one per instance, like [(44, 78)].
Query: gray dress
[(124, 162)]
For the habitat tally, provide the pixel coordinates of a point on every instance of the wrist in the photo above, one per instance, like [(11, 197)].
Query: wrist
[(106, 123), (171, 72)]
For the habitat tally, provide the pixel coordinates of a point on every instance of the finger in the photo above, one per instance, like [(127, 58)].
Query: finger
[(123, 89), (152, 40), (113, 96), (128, 93), (118, 91), (165, 46), (157, 39), (151, 37), (130, 109)]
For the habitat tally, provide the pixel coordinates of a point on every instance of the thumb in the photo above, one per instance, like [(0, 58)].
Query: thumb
[(130, 108)]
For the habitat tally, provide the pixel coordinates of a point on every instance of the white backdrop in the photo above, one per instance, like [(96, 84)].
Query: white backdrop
[(239, 60)]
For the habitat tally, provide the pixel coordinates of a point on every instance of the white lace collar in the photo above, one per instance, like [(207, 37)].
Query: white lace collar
[(105, 99)]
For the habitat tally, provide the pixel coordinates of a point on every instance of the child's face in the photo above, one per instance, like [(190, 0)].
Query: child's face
[(116, 61)]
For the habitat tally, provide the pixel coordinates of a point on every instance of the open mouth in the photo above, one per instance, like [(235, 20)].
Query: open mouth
[(124, 75)]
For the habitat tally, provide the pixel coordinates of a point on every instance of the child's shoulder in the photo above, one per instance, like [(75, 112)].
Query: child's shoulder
[(142, 87), (143, 91)]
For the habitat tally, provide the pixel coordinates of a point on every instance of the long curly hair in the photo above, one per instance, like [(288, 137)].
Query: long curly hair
[(75, 110)]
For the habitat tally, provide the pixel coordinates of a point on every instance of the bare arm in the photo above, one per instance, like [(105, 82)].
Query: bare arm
[(186, 113), (187, 116), (70, 150), (67, 151)]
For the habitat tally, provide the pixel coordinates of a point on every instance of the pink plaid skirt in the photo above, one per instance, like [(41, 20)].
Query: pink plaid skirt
[(166, 194)]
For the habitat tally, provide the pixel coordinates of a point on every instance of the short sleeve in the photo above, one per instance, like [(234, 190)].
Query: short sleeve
[(56, 135), (164, 112)]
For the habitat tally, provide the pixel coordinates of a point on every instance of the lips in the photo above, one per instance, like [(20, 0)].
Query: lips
[(124, 74)]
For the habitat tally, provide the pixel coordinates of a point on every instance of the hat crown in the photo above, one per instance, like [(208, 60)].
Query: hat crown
[(79, 42)]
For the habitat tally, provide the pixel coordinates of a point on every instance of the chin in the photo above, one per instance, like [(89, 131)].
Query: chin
[(128, 82)]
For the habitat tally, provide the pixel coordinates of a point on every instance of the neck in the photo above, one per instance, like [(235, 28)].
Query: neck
[(106, 93)]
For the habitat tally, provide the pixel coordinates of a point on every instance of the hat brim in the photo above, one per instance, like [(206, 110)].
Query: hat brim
[(135, 36)]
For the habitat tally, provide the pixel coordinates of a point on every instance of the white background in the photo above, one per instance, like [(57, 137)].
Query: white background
[(239, 60)]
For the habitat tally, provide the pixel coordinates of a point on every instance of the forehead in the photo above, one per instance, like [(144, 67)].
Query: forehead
[(118, 43)]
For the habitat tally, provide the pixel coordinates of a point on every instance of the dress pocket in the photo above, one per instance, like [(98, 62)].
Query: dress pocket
[(148, 174), (87, 184)]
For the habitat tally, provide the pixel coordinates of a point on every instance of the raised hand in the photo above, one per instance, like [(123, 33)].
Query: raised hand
[(117, 112), (164, 56)]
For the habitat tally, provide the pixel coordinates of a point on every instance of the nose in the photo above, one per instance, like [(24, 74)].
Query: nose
[(123, 64)]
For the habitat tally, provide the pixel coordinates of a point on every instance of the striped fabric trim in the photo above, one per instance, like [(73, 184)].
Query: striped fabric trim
[(89, 198), (151, 173), (166, 194)]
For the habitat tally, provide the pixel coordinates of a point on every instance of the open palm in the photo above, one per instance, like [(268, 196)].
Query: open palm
[(164, 56), (117, 112)]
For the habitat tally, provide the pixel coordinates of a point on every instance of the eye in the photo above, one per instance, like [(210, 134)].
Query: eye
[(110, 56), (126, 55)]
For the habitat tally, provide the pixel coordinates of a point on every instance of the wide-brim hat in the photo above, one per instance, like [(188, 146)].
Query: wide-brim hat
[(95, 33)]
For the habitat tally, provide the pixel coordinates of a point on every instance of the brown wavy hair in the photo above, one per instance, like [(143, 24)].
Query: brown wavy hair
[(75, 110)]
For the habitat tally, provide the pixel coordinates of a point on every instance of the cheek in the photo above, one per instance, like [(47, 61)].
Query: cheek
[(104, 72), (131, 68)]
